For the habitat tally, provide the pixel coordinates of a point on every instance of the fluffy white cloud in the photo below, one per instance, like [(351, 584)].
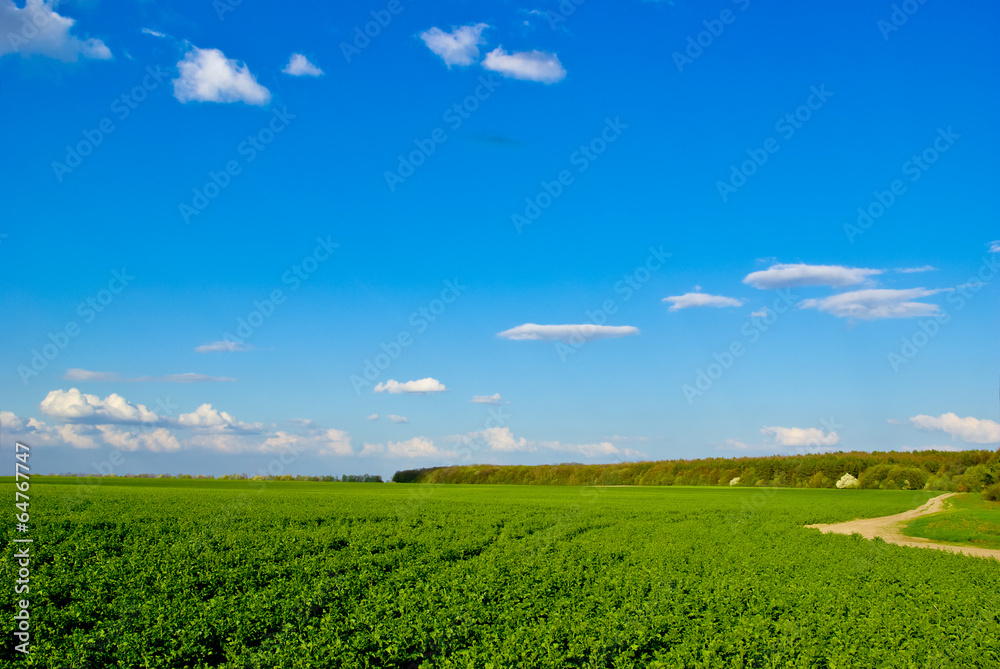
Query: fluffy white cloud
[(74, 406), (398, 419), (527, 65), (76, 374), (499, 439), (568, 333), (38, 29), (418, 447), (158, 440), (459, 47), (790, 276), (207, 418), (968, 429), (688, 300), (798, 436), (206, 75), (418, 387), (299, 66), (875, 303), (595, 450), (995, 246), (228, 346), (486, 399)]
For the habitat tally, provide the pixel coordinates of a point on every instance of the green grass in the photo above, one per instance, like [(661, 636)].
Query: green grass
[(968, 519), (231, 574)]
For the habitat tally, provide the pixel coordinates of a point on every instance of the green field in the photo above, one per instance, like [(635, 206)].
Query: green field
[(147, 573), (967, 519)]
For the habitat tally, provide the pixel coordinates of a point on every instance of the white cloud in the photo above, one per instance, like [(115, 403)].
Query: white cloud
[(499, 439), (914, 270), (875, 303), (207, 418), (737, 444), (74, 406), (75, 374), (373, 416), (595, 450), (418, 447), (527, 65), (760, 313), (418, 387), (299, 66), (688, 300), (968, 429), (583, 332), (995, 246), (158, 440), (398, 419), (206, 75), (794, 275), (798, 436), (486, 399), (154, 33), (228, 346), (459, 47), (38, 29)]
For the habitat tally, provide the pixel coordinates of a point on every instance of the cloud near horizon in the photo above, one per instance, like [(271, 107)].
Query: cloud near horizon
[(970, 430), (799, 437), (75, 374)]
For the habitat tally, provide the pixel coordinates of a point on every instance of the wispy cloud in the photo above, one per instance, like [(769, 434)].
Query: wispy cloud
[(75, 374), (795, 275), (486, 399), (689, 300), (227, 346), (876, 303), (914, 270), (299, 66), (582, 332)]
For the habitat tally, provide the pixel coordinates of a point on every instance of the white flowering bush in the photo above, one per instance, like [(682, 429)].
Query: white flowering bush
[(847, 481), (735, 481)]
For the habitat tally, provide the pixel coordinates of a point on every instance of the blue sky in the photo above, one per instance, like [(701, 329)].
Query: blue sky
[(239, 235)]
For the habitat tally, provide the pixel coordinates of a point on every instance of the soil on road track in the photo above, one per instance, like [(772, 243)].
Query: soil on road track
[(888, 528)]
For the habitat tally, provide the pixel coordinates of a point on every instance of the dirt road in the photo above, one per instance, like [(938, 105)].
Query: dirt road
[(888, 528)]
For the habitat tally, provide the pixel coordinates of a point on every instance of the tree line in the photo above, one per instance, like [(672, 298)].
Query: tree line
[(959, 471)]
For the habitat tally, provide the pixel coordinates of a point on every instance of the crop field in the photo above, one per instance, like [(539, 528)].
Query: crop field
[(147, 573)]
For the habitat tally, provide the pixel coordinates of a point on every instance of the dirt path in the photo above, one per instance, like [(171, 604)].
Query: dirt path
[(888, 528)]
